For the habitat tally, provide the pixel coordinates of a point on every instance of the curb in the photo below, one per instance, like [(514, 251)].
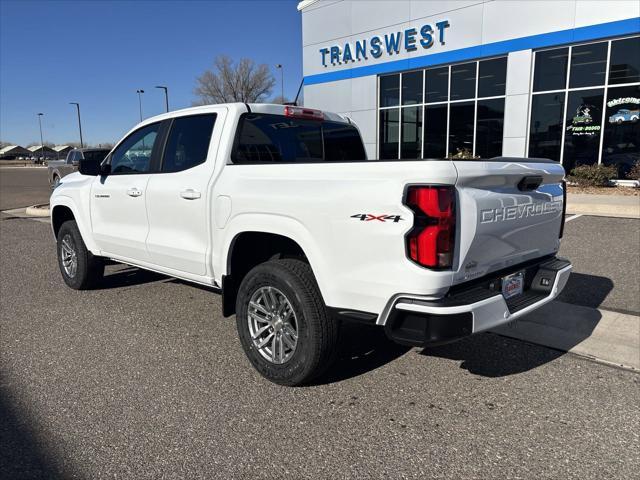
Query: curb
[(604, 210), (607, 337), (41, 210)]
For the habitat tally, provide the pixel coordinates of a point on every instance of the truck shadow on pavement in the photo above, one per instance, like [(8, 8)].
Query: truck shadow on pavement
[(21, 454), (117, 276), (588, 290)]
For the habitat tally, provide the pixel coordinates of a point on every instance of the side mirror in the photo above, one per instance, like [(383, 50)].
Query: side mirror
[(89, 167), (105, 169)]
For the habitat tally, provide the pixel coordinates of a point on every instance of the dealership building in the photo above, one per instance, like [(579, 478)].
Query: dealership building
[(526, 78)]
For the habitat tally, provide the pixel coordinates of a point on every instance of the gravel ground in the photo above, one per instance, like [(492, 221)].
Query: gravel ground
[(144, 379)]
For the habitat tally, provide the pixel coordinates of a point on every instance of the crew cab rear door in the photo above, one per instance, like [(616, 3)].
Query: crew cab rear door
[(510, 211), (178, 195)]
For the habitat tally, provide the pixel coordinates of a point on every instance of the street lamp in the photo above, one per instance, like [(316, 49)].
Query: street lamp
[(279, 66), (41, 140), (166, 96), (79, 123), (140, 92)]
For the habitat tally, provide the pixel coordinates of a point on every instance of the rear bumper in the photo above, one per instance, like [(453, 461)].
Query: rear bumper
[(473, 308)]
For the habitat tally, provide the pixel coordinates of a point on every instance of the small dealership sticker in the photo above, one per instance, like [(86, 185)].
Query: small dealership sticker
[(370, 217)]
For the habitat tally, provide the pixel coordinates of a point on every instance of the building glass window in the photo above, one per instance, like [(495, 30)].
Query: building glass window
[(582, 128), (437, 85), (550, 70), (490, 127), (438, 112), (588, 65), (624, 65), (492, 78), (435, 131), (389, 133), (412, 88), (411, 133), (621, 146), (545, 137), (463, 81), (390, 90), (583, 114)]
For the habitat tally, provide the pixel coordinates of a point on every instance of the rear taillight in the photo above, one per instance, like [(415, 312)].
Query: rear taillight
[(431, 241)]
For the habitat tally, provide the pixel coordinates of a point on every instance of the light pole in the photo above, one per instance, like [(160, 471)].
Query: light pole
[(166, 96), (79, 123), (279, 66), (140, 92), (41, 140)]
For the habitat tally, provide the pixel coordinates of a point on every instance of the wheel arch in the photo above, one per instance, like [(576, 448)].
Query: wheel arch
[(249, 247), (65, 209)]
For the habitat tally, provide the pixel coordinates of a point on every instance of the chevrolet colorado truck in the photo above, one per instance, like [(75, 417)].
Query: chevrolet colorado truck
[(278, 209)]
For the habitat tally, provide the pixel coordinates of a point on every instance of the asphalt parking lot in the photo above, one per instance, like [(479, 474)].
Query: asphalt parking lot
[(23, 186), (143, 378)]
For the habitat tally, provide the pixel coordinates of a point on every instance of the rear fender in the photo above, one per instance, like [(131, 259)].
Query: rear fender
[(278, 225)]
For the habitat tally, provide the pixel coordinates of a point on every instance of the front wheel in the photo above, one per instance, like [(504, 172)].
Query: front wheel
[(80, 269), (283, 324)]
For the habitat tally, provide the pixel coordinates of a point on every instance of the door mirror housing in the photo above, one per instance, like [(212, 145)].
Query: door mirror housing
[(93, 167)]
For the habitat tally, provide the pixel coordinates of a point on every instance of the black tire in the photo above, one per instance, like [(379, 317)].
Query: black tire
[(89, 268), (317, 330), (55, 181)]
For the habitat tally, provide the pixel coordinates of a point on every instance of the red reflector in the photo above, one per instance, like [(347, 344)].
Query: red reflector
[(432, 240), (301, 112)]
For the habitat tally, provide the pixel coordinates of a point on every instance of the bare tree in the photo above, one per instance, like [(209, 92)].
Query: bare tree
[(231, 82), (280, 99)]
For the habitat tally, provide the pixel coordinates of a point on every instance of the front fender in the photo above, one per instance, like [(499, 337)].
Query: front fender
[(81, 216), (279, 225)]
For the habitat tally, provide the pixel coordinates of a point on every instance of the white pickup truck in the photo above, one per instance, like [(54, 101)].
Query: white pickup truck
[(277, 208)]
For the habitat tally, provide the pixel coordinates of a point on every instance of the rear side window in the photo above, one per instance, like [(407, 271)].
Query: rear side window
[(188, 142), (266, 138)]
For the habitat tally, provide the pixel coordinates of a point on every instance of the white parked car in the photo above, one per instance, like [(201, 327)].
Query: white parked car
[(279, 209)]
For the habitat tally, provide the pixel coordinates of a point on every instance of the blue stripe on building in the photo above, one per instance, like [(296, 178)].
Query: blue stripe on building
[(580, 34)]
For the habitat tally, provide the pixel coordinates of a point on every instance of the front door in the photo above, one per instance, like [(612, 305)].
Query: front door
[(118, 210), (178, 202)]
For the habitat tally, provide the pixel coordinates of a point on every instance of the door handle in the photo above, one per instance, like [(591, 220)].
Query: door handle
[(190, 194), (134, 192)]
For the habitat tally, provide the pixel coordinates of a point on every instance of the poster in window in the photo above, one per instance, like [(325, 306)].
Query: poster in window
[(621, 145)]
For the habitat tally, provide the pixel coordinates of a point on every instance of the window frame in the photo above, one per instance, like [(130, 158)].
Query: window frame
[(168, 127), (567, 90), (448, 102)]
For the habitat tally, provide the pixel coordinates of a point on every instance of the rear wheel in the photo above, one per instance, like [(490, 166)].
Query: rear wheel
[(283, 324), (80, 269)]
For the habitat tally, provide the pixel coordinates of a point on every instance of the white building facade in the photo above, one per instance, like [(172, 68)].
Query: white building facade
[(527, 78)]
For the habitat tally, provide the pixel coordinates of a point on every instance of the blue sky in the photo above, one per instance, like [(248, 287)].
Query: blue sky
[(99, 53)]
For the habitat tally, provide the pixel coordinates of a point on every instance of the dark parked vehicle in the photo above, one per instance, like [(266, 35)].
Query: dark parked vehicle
[(59, 168)]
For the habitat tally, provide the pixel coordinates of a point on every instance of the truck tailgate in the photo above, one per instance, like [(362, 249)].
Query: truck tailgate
[(510, 211)]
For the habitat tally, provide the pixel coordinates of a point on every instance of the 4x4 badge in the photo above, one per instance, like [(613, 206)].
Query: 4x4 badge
[(368, 217)]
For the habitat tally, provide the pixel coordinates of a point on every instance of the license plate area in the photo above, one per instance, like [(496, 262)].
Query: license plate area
[(513, 285)]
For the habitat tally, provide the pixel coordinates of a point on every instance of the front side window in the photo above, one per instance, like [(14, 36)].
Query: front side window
[(188, 142), (133, 155)]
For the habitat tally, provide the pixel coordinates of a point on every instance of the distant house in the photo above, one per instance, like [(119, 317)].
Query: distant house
[(11, 152), (39, 151), (62, 151)]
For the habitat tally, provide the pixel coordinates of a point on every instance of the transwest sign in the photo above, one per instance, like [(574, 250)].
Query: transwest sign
[(408, 40)]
